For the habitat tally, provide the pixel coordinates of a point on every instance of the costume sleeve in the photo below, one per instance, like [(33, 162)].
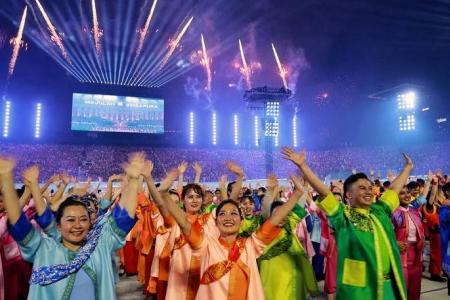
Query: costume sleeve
[(334, 210), (263, 236), (116, 228), (419, 201), (390, 198), (299, 211), (105, 204), (26, 236)]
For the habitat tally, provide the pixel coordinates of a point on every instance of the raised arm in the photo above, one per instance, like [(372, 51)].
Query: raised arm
[(133, 169), (223, 187), (181, 170), (299, 159), (154, 193), (25, 198), (281, 213), (173, 209), (427, 186), (399, 182), (270, 196), (10, 200), (236, 170), (198, 172), (31, 179)]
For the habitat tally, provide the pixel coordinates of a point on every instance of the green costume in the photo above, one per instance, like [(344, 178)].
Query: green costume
[(285, 270), (250, 224), (368, 257), (208, 209)]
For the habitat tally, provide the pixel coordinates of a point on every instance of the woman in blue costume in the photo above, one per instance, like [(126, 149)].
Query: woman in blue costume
[(78, 265)]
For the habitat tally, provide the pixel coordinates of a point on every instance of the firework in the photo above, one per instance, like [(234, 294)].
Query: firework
[(174, 43), (281, 69), (98, 33), (205, 62), (54, 34), (17, 42), (144, 31), (245, 70)]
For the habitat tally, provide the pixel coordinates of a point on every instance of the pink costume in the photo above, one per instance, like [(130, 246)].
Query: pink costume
[(328, 249), (184, 274), (230, 271), (409, 230)]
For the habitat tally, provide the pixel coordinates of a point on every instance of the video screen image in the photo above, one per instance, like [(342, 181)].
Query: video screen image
[(108, 113)]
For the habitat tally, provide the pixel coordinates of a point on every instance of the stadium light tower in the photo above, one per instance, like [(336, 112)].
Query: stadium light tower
[(294, 131), (191, 127), (37, 121), (236, 129), (406, 106), (256, 128), (214, 128), (6, 118), (266, 102)]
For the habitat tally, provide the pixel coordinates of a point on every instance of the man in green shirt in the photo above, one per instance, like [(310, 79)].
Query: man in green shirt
[(368, 256)]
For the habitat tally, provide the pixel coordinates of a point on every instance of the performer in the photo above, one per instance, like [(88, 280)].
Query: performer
[(79, 265), (285, 269), (228, 262), (444, 218), (368, 257)]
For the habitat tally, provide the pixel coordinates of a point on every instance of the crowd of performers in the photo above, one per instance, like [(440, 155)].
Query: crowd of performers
[(364, 238)]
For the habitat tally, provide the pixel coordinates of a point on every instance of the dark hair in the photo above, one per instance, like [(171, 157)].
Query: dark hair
[(247, 197), (386, 184), (209, 192), (70, 201), (420, 181), (173, 192), (275, 204), (225, 202), (351, 180), (446, 188), (412, 185), (192, 186), (230, 187)]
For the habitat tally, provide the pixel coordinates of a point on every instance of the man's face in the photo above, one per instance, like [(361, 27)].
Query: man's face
[(360, 194)]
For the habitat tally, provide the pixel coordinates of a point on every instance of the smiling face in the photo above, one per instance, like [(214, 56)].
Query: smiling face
[(192, 201), (248, 207), (74, 225), (360, 194), (228, 219), (405, 197)]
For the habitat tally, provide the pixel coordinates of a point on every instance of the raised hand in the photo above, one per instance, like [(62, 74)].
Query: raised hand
[(234, 168), (223, 181), (408, 160), (148, 168), (31, 175), (6, 165), (182, 167), (168, 181), (197, 167), (133, 168), (298, 158), (272, 182), (297, 181)]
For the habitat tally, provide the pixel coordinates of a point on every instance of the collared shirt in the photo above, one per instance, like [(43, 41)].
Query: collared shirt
[(412, 230)]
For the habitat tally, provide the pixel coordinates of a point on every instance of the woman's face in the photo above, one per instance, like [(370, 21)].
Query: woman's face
[(228, 219), (74, 225), (248, 207), (192, 202)]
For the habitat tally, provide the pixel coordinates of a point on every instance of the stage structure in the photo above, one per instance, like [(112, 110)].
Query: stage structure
[(265, 103)]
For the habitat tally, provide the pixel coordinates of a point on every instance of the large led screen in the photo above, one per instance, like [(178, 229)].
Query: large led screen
[(117, 113)]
